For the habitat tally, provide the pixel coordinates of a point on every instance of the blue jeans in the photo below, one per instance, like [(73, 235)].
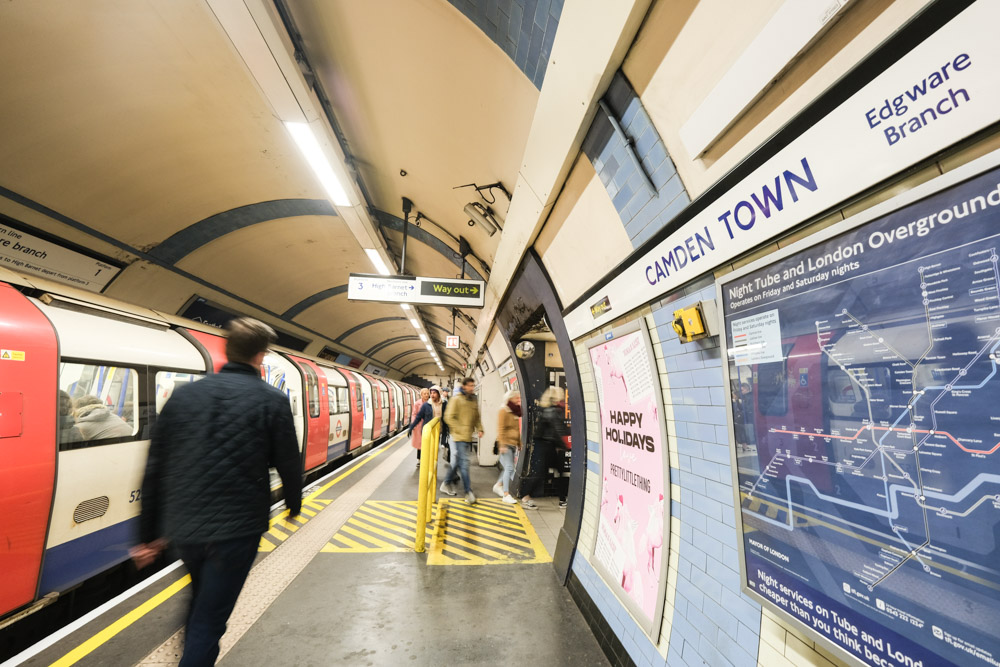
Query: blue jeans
[(507, 463), (218, 571), (459, 464)]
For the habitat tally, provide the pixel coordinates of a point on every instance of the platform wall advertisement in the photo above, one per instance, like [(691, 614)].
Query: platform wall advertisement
[(864, 395), (632, 532)]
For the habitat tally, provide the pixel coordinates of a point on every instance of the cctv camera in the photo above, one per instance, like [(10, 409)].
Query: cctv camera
[(482, 217)]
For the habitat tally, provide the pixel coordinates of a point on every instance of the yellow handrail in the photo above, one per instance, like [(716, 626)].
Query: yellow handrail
[(427, 491)]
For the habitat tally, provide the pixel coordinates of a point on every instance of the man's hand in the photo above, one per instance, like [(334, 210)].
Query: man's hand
[(409, 434), (145, 554), (480, 434)]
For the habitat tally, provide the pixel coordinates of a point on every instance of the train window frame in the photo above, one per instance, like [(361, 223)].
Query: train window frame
[(154, 378), (343, 400), (332, 399), (140, 404), (312, 391)]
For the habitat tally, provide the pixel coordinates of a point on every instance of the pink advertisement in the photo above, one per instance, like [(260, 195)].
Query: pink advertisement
[(630, 534)]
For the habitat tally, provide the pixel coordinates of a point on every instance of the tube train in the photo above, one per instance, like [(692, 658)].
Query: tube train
[(82, 379)]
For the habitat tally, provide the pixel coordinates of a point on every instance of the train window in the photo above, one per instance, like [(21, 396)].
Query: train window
[(331, 399), (97, 403), (359, 399), (343, 399), (841, 388), (167, 381), (312, 391), (772, 388)]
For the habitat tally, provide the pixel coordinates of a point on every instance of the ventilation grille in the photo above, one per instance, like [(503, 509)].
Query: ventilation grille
[(90, 509)]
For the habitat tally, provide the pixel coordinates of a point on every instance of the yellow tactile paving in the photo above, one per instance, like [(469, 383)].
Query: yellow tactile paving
[(487, 533), (281, 527)]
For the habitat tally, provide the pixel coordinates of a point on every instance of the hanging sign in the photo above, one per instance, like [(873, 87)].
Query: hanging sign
[(26, 253), (451, 342), (416, 290), (632, 530)]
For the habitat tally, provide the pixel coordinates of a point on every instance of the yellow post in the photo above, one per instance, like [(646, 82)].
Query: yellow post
[(428, 474)]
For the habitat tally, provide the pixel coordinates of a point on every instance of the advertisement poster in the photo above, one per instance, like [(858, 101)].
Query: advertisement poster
[(631, 534), (868, 453)]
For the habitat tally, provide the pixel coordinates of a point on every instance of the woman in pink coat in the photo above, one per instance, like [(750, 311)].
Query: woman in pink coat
[(418, 431)]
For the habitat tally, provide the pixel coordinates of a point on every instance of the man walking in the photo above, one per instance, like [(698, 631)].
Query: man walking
[(462, 418), (207, 486)]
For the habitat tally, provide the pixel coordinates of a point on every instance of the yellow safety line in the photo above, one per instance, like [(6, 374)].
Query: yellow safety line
[(500, 528), (490, 512), (357, 523), (520, 538), (131, 617), (308, 512), (450, 539), (390, 514), (475, 516), (364, 536), (128, 619), (394, 524), (542, 554), (346, 542), (485, 539)]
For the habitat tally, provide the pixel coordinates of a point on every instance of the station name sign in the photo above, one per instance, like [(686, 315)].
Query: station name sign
[(416, 290), (939, 93)]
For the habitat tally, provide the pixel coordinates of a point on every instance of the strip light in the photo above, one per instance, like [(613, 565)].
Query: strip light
[(377, 262), (423, 337), (313, 153)]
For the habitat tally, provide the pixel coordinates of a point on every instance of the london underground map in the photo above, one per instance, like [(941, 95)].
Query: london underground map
[(866, 405)]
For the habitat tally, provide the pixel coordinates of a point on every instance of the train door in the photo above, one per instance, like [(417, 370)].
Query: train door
[(368, 412), (283, 375), (214, 345), (402, 415), (316, 413), (393, 407), (339, 406), (376, 394), (383, 403), (357, 409), (28, 353)]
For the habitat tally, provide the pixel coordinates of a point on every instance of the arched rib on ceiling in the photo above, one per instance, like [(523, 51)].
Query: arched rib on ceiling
[(387, 343), (308, 302), (361, 326), (390, 221), (189, 239), (401, 355)]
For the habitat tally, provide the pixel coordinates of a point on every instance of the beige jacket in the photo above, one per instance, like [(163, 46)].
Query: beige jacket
[(508, 429), (462, 418)]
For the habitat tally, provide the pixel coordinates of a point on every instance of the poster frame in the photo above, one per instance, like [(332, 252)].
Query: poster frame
[(653, 625), (939, 183)]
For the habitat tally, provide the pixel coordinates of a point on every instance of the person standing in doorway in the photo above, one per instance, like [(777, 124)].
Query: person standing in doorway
[(550, 429), (462, 418), (207, 484), (508, 442), (416, 428)]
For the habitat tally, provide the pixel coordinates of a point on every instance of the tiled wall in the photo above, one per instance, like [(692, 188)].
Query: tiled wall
[(524, 29), (706, 619), (642, 212)]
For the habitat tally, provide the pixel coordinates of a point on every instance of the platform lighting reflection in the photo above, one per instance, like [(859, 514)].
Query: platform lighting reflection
[(313, 153), (377, 261)]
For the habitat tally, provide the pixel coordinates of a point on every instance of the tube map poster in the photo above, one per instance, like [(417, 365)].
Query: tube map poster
[(868, 431), (630, 535)]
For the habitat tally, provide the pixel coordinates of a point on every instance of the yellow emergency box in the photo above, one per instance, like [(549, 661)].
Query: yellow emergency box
[(694, 322)]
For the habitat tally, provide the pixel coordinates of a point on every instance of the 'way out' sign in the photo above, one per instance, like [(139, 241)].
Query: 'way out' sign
[(416, 290)]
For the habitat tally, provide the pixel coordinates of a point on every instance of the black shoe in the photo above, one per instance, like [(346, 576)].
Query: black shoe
[(563, 503)]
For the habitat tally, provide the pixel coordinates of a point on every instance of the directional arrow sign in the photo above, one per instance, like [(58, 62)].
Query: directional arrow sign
[(416, 290)]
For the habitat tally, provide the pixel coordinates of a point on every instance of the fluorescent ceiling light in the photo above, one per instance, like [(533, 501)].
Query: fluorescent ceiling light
[(430, 347), (377, 262), (423, 337), (405, 306), (306, 141), (416, 324)]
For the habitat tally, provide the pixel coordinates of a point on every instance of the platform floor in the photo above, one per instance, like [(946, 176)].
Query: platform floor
[(342, 585)]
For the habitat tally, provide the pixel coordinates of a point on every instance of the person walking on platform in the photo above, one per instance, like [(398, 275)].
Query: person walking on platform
[(207, 485), (508, 442), (428, 409), (445, 440), (548, 441), (417, 429), (462, 417)]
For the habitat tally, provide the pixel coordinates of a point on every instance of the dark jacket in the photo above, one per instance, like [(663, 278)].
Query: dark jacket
[(424, 415), (207, 476)]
